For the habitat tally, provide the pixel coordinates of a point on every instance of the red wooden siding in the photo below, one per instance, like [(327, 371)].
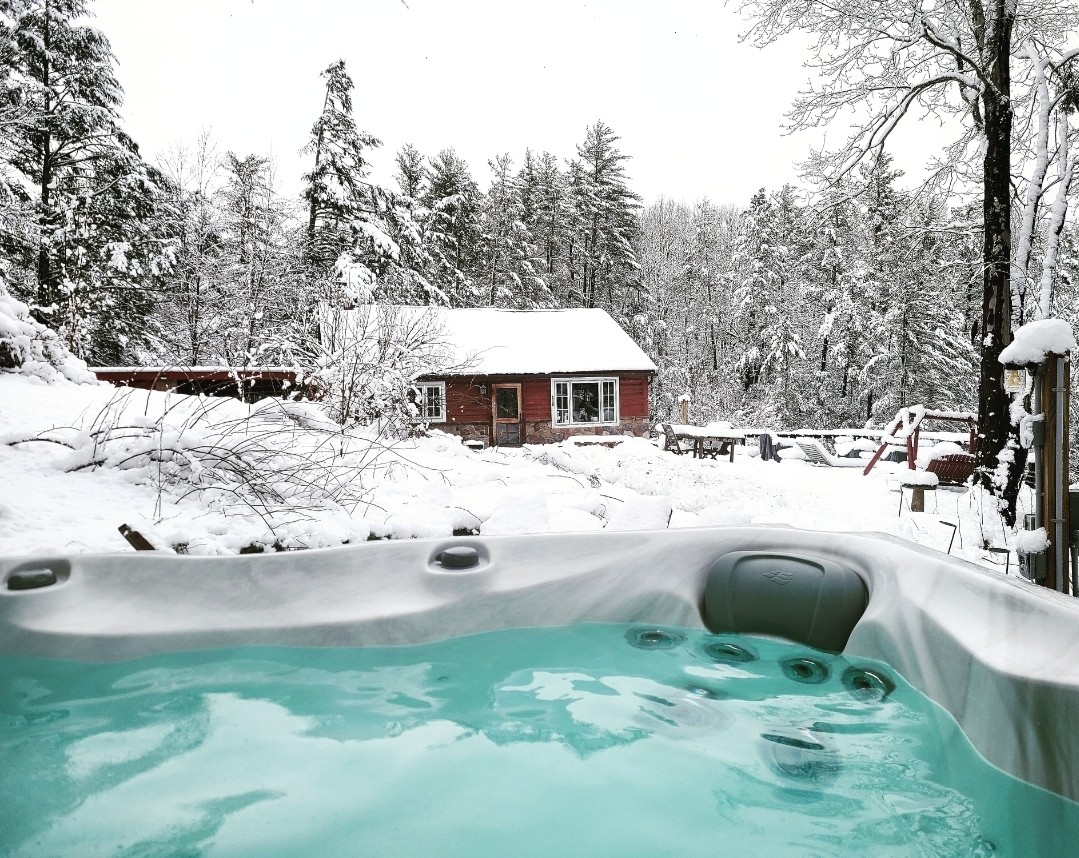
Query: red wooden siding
[(465, 403), (633, 395), (536, 396)]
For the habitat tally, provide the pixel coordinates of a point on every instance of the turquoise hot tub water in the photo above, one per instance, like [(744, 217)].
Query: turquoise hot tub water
[(598, 739)]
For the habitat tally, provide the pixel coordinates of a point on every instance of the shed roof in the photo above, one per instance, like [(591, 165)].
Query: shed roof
[(490, 341)]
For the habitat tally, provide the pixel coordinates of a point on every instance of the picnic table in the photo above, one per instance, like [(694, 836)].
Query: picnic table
[(709, 440)]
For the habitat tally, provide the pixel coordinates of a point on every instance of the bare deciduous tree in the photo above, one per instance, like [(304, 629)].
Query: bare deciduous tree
[(877, 61)]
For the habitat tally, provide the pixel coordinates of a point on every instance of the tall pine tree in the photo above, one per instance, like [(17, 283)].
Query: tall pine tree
[(96, 248), (334, 190), (604, 266)]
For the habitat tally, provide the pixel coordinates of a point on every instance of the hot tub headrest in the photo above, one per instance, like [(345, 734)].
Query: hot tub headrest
[(804, 599)]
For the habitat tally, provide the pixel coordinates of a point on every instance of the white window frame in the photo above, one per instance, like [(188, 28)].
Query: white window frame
[(422, 401), (601, 380)]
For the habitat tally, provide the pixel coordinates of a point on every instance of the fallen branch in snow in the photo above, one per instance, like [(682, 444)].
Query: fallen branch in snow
[(41, 439), (284, 462)]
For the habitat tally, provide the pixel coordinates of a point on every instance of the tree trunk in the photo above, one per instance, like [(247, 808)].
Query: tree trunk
[(46, 296), (494, 273), (994, 422), (312, 215)]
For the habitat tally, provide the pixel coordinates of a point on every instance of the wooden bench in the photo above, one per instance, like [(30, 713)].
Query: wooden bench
[(953, 469)]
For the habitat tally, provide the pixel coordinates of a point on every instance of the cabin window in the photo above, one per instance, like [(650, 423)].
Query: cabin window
[(432, 401), (584, 401)]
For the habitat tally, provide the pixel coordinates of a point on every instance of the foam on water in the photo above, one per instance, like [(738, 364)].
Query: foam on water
[(593, 739)]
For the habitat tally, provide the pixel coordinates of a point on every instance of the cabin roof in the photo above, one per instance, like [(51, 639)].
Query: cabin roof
[(490, 341)]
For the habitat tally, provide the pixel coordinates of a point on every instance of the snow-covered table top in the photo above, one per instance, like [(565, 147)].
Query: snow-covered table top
[(724, 433)]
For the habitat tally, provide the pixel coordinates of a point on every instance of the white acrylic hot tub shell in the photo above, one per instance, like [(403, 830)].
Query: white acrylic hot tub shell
[(1000, 655)]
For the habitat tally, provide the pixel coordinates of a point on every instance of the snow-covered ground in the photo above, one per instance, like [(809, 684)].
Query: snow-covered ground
[(215, 476)]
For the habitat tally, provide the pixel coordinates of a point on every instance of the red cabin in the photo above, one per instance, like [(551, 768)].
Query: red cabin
[(507, 377)]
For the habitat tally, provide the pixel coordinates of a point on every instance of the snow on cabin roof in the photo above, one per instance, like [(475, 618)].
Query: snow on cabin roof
[(489, 341)]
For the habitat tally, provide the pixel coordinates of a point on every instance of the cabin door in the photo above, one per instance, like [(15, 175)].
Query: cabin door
[(506, 410)]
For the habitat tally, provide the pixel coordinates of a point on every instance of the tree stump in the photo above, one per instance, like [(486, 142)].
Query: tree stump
[(917, 499)]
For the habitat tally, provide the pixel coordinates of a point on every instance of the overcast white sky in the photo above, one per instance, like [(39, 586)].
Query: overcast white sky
[(699, 113)]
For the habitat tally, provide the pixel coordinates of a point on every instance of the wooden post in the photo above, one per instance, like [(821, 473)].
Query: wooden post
[(684, 401), (137, 540), (1053, 392)]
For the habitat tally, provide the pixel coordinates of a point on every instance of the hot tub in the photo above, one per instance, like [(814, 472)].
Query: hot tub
[(1000, 656)]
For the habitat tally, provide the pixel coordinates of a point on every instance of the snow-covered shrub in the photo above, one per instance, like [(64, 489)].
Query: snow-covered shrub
[(30, 348), (284, 463), (367, 360)]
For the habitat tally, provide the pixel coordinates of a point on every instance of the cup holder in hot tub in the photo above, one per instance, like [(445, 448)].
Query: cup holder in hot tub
[(38, 574), (459, 558)]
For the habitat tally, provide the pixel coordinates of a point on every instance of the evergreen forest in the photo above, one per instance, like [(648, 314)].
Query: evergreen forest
[(833, 303)]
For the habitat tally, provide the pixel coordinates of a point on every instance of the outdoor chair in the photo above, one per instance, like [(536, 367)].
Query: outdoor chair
[(713, 447), (673, 443), (816, 453)]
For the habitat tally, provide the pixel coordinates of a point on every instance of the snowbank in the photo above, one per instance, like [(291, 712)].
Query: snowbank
[(218, 476)]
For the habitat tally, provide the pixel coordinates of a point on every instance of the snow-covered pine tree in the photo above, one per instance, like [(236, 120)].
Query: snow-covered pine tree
[(834, 276), (262, 272), (453, 197), (335, 189), (17, 114), (527, 185), (769, 297), (512, 277), (411, 172), (547, 221), (930, 359), (95, 248), (603, 269)]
